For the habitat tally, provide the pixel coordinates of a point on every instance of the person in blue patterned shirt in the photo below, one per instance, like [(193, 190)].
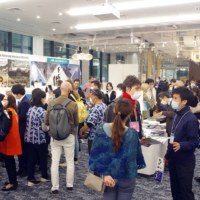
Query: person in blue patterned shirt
[(95, 118), (36, 139)]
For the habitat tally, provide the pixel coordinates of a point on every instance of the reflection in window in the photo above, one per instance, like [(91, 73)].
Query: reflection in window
[(3, 41), (47, 48), (59, 50)]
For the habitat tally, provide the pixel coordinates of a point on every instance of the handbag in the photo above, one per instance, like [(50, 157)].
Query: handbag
[(94, 182)]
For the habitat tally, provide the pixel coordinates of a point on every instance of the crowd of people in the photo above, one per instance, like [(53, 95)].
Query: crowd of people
[(114, 148)]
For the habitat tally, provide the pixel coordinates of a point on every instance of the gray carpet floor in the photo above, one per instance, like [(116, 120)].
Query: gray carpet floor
[(146, 187)]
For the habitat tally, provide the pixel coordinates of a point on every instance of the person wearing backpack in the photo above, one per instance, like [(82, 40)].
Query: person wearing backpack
[(11, 146), (62, 119)]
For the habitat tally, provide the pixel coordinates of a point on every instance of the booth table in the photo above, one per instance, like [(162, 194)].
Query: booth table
[(151, 155)]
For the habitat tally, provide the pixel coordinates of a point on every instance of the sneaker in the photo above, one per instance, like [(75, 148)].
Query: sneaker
[(43, 180), (63, 164), (70, 189), (32, 183), (76, 162), (55, 192)]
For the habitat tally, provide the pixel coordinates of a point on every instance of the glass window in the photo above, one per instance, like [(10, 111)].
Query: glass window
[(22, 43), (59, 50), (47, 48), (71, 49), (105, 63), (3, 41)]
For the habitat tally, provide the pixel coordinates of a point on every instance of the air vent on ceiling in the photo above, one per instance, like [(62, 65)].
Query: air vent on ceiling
[(15, 9), (58, 23)]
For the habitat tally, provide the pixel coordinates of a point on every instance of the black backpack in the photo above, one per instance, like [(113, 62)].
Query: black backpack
[(5, 123), (59, 125)]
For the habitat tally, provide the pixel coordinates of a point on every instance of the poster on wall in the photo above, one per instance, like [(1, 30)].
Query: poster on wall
[(14, 71), (50, 73)]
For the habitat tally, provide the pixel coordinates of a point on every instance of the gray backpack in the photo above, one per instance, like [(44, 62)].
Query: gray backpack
[(59, 125)]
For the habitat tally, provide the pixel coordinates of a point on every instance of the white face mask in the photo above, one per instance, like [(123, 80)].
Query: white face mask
[(157, 80), (4, 103), (92, 88), (136, 95), (118, 93), (109, 88), (91, 101), (163, 102), (192, 85)]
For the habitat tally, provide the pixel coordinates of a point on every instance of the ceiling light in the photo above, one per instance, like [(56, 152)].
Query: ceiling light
[(38, 17), (130, 6), (53, 29), (71, 27), (141, 21), (60, 14), (18, 19)]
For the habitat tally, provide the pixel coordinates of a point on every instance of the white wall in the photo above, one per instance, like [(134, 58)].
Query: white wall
[(118, 72), (38, 43)]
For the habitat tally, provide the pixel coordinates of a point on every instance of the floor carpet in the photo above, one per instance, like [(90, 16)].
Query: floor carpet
[(146, 187)]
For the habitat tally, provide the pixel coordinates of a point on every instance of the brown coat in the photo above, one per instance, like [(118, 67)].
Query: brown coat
[(11, 146), (169, 116), (72, 109)]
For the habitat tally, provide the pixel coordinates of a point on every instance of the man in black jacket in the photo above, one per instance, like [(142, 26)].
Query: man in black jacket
[(57, 91), (78, 89)]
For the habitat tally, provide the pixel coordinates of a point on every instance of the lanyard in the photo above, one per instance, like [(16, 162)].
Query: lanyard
[(174, 128)]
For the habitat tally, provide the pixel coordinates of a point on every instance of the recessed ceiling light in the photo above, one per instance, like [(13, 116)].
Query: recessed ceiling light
[(53, 29), (60, 14), (71, 27), (18, 19), (38, 17)]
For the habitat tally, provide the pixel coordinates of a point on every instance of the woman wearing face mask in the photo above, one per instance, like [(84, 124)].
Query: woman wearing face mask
[(36, 139), (150, 103), (169, 113), (111, 95), (11, 146), (95, 118)]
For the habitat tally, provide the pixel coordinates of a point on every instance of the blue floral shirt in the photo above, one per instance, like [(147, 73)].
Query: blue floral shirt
[(34, 133), (121, 165), (96, 115)]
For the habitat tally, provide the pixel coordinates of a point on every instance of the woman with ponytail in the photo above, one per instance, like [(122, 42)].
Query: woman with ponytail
[(116, 154)]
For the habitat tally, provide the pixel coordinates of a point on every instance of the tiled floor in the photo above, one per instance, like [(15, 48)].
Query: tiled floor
[(146, 187)]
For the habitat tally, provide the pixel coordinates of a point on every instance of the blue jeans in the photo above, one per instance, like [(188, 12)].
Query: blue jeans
[(123, 190), (76, 150)]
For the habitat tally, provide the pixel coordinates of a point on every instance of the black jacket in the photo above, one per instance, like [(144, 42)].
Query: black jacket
[(111, 98), (57, 92), (81, 93), (109, 115)]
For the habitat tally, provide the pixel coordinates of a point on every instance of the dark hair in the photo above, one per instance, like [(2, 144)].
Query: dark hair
[(123, 108), (38, 95), (131, 81), (49, 88), (34, 91), (97, 93), (165, 87), (91, 77), (185, 94), (158, 77), (108, 83), (76, 80), (97, 83), (163, 94), (196, 89), (121, 86), (1, 96), (18, 89), (59, 82), (173, 80), (149, 80), (12, 102)]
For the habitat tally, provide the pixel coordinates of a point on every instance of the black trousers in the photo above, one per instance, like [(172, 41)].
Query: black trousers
[(181, 177), (37, 151), (11, 169), (23, 159)]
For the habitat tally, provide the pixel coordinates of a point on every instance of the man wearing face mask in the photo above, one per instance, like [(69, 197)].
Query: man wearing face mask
[(131, 92), (158, 85), (169, 113), (183, 142), (78, 89), (119, 91), (192, 84)]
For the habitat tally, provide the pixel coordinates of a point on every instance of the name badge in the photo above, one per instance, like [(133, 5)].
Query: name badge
[(171, 138), (135, 125)]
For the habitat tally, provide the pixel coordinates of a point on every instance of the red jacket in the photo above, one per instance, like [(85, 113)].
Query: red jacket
[(12, 144)]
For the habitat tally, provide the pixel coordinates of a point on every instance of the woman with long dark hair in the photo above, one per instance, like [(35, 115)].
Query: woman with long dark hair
[(11, 146), (110, 93), (116, 154), (36, 139)]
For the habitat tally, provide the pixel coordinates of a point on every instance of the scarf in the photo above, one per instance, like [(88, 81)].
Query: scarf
[(133, 102)]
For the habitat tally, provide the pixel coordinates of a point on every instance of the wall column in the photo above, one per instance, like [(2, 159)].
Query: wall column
[(38, 43), (149, 66), (158, 65)]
